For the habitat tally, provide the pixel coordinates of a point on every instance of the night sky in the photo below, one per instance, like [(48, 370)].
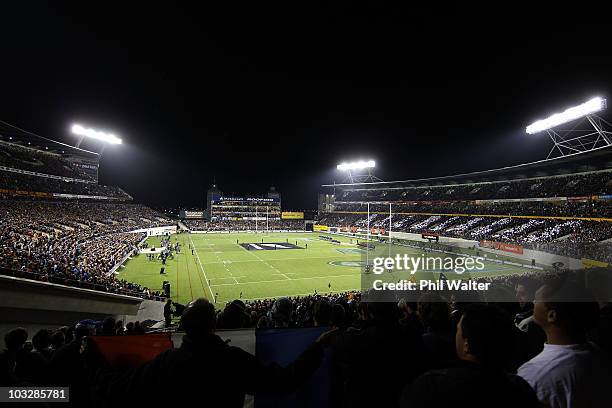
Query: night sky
[(268, 95)]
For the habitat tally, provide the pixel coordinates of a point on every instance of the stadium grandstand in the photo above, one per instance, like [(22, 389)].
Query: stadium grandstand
[(34, 166), (242, 213), (561, 205), (60, 227)]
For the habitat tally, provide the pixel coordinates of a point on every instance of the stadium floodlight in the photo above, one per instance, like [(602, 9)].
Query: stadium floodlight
[(358, 165), (592, 106), (359, 171), (95, 134)]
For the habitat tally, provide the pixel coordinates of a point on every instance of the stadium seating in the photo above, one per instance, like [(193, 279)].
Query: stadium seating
[(35, 160), (501, 213), (72, 243), (572, 185), (16, 183)]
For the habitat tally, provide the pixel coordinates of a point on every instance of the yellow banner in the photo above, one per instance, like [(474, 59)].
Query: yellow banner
[(320, 228), (591, 263), (292, 215)]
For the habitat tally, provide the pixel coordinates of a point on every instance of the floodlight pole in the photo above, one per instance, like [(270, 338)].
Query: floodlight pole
[(80, 141), (102, 150), (575, 130), (598, 128), (354, 176), (580, 139)]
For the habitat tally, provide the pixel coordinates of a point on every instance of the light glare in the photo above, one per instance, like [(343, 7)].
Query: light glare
[(95, 134), (356, 165), (594, 105)]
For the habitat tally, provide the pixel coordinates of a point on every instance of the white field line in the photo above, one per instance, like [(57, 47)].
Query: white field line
[(288, 259), (226, 278), (202, 269), (282, 280), (225, 266), (261, 260)]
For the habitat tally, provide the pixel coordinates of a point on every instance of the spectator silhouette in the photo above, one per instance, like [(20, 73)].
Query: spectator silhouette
[(58, 339), (41, 342), (222, 374), (14, 341), (375, 362), (68, 369), (338, 316), (438, 336), (234, 316), (483, 341), (569, 372), (322, 313)]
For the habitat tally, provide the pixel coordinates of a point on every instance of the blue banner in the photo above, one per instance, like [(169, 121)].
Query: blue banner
[(283, 346)]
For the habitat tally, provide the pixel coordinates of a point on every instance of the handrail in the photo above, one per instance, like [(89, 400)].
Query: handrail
[(76, 283)]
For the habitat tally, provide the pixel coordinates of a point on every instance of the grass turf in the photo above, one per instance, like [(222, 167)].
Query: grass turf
[(220, 266)]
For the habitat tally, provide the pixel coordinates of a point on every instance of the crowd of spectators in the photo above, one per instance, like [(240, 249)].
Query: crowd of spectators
[(564, 208), (39, 161), (17, 182), (524, 343), (570, 185), (73, 243), (574, 238)]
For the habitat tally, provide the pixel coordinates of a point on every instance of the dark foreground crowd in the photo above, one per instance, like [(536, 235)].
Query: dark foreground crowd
[(540, 350)]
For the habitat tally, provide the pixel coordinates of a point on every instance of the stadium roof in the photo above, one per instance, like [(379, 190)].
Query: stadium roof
[(598, 159), (13, 134)]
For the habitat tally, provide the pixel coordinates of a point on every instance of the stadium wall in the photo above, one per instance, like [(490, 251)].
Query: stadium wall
[(33, 304), (157, 231), (542, 258)]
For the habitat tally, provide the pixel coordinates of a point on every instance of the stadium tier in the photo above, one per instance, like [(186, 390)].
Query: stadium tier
[(73, 243), (14, 183), (566, 185), (561, 206), (31, 159), (36, 167)]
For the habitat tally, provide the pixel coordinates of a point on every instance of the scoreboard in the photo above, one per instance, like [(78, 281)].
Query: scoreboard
[(431, 236), (245, 208)]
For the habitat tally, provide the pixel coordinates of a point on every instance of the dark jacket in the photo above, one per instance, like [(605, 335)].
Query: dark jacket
[(168, 311), (68, 371), (469, 385), (207, 372), (372, 365)]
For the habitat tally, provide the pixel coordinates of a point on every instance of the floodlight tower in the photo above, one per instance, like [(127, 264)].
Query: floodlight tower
[(588, 130), (359, 171), (83, 132)]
